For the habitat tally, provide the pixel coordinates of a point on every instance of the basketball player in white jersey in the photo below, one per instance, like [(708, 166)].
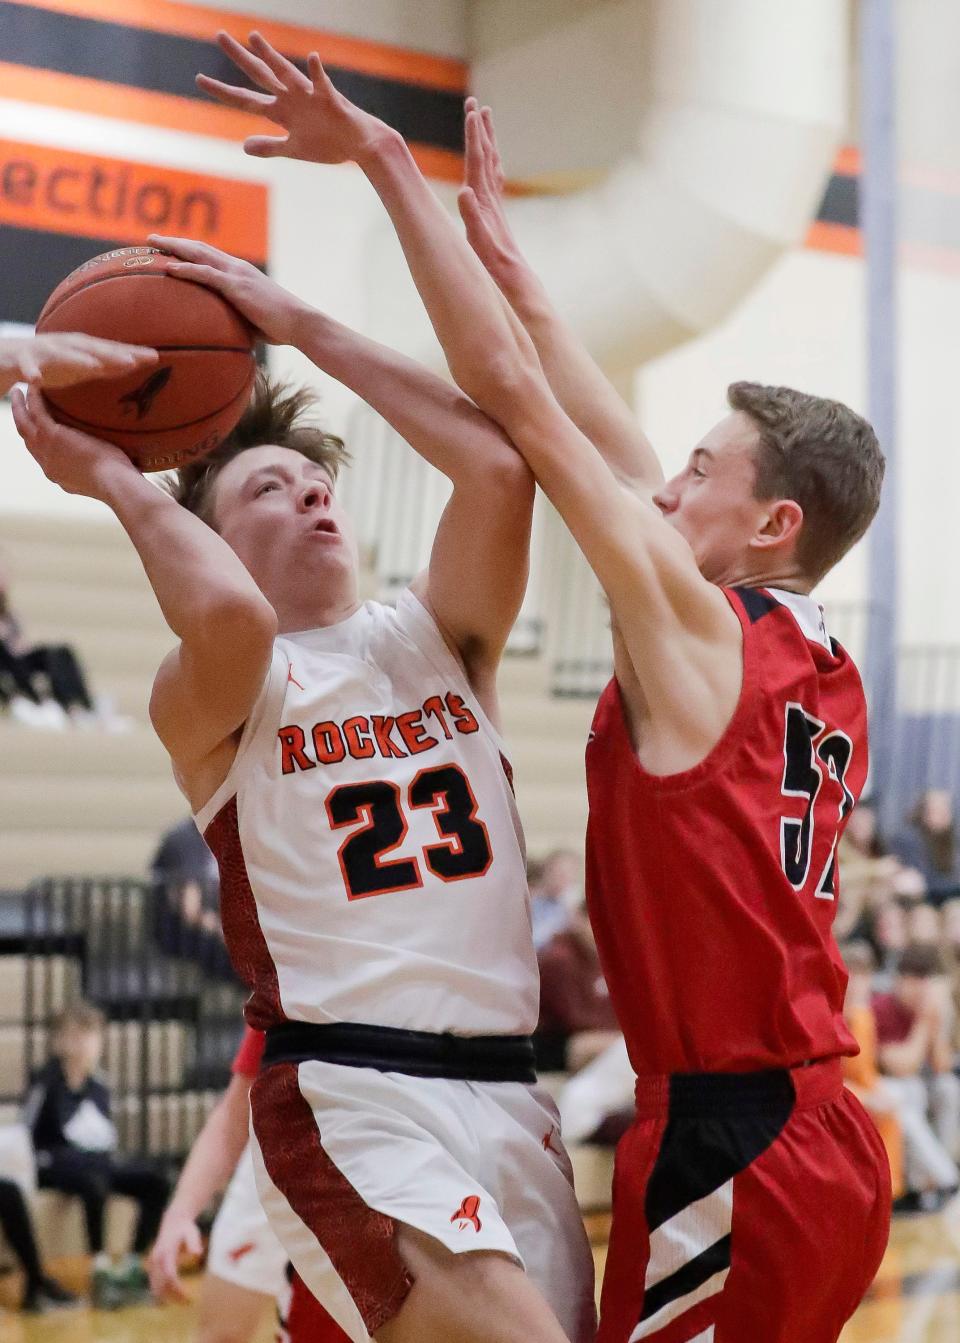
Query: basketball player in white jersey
[(344, 763)]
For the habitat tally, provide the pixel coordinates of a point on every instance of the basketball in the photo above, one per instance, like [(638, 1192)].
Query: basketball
[(183, 407)]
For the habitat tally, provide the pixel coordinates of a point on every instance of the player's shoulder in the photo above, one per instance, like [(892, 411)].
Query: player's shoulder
[(793, 623)]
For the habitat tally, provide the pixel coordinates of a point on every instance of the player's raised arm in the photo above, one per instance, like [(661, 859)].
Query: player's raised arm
[(322, 126), (206, 688), (577, 382), (681, 635), (477, 574)]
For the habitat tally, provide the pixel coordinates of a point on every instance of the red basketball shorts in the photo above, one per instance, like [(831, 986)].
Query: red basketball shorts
[(747, 1208)]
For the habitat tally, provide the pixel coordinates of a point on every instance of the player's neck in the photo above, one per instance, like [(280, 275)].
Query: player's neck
[(315, 612), (786, 579)]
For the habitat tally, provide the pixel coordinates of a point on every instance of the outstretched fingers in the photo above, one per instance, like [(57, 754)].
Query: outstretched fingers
[(473, 147), (244, 100), (491, 148), (252, 66), (288, 74), (318, 75)]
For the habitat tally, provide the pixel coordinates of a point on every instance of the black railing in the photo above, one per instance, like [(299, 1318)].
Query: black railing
[(173, 1006)]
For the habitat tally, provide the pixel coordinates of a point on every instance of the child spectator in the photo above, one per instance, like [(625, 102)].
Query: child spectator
[(68, 1113)]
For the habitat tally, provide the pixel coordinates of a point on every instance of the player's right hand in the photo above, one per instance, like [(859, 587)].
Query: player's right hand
[(322, 126), (274, 312), (176, 1235), (76, 462), (63, 358)]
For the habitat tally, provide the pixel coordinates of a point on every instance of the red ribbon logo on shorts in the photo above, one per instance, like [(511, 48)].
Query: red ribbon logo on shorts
[(466, 1214)]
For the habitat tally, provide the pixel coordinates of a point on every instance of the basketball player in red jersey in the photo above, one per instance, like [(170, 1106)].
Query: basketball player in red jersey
[(342, 760), (752, 1193)]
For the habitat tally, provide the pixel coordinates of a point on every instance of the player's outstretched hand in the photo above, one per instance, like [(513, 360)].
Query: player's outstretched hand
[(63, 358), (76, 462), (274, 312), (321, 125), (480, 199), (176, 1234)]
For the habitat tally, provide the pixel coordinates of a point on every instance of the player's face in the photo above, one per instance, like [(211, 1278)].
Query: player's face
[(711, 502), (278, 511)]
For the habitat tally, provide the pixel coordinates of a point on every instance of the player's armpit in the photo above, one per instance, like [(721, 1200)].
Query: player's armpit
[(205, 689)]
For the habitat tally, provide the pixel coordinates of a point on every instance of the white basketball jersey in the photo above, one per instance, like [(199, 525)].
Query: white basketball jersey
[(371, 858)]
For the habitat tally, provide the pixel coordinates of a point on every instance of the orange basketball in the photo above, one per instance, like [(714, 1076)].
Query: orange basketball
[(179, 409)]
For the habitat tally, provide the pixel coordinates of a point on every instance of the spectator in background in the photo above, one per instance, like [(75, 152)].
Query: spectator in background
[(950, 920), (578, 1034), (186, 878), (914, 1025), (68, 1112), (41, 1293), (861, 1072), (889, 938), (558, 892), (924, 925), (39, 683), (929, 844), (870, 875), (556, 888)]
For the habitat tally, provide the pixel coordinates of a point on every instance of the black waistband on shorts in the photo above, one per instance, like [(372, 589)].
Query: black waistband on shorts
[(702, 1095), (470, 1058)]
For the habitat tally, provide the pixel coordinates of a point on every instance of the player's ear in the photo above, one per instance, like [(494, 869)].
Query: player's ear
[(779, 525)]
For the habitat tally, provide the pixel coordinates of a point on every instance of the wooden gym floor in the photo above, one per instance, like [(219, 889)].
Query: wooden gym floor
[(915, 1299)]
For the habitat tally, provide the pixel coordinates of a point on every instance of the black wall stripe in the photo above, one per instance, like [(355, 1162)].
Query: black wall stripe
[(167, 63), (32, 264), (687, 1279), (841, 201)]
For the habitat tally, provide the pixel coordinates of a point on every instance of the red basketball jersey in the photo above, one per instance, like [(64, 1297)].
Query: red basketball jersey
[(712, 892)]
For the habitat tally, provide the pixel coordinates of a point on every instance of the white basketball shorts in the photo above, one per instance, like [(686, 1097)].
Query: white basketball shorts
[(343, 1155)]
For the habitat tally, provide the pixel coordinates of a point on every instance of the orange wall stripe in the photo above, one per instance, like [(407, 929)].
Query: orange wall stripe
[(355, 53), (834, 238), (848, 161), (91, 196), (146, 107)]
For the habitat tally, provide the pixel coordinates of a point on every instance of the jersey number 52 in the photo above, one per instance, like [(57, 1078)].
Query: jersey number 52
[(464, 850), (815, 764)]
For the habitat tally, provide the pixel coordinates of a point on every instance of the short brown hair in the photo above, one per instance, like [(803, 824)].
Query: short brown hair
[(278, 414), (821, 455), (81, 1015)]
